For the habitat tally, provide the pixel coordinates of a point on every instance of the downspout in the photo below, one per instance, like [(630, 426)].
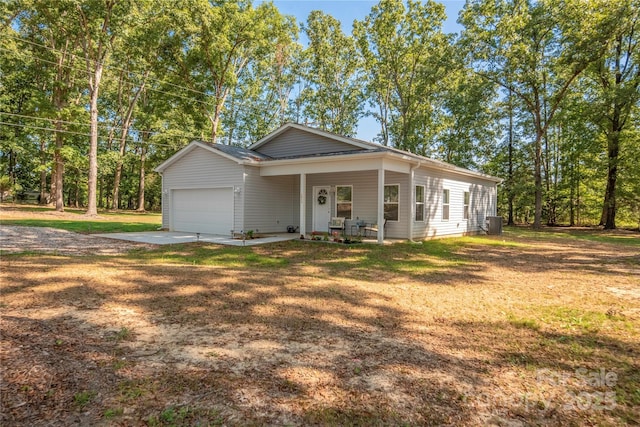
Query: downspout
[(412, 197)]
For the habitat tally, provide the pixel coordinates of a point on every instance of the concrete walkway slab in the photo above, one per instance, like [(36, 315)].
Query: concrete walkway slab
[(175, 237)]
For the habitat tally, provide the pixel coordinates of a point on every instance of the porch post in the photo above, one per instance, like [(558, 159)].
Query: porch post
[(303, 204), (381, 204)]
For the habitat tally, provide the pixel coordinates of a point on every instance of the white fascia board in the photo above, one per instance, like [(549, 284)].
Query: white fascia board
[(345, 163), (389, 161), (441, 166)]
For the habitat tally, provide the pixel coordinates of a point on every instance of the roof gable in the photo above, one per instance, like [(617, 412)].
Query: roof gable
[(298, 140), (235, 154)]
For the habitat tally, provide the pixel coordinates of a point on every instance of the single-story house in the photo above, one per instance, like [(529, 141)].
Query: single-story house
[(302, 177)]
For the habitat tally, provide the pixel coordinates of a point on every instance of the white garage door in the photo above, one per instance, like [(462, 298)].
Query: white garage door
[(203, 210)]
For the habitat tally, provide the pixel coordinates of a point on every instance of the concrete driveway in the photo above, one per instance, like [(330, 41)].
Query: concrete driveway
[(174, 237)]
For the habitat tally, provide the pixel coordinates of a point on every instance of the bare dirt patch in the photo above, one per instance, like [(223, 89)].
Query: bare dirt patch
[(494, 333), (17, 239)]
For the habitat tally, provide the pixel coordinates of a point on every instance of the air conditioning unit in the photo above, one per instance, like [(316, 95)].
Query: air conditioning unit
[(494, 225)]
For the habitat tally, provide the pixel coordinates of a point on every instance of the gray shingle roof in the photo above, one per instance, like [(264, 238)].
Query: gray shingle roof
[(246, 154), (240, 153)]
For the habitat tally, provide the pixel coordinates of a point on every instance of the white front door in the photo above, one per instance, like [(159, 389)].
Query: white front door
[(321, 208)]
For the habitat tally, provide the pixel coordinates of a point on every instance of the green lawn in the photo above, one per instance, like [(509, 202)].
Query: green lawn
[(74, 220), (86, 226)]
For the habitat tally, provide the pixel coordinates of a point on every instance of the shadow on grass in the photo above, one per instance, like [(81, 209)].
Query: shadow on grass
[(227, 335), (360, 262), (266, 330), (315, 372)]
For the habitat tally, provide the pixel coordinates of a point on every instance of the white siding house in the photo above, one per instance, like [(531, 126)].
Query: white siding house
[(302, 177)]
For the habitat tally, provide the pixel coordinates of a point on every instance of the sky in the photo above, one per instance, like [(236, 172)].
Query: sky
[(346, 11)]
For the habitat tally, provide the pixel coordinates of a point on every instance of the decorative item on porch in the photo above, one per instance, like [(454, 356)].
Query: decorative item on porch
[(322, 196)]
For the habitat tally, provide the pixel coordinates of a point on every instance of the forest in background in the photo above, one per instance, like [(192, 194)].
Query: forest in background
[(544, 94)]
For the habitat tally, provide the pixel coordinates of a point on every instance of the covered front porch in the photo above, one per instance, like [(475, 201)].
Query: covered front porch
[(364, 191)]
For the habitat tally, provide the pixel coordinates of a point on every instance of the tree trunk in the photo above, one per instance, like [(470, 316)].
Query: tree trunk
[(118, 174), (510, 192), (609, 210), (76, 202), (92, 183), (215, 121), (572, 217), (59, 167), (42, 199), (143, 153), (609, 207), (537, 215), (123, 141)]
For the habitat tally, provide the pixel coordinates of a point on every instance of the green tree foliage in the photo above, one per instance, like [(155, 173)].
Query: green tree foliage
[(544, 93), (536, 50), (614, 94), (18, 160), (333, 99), (406, 57), (212, 45), (261, 100), (465, 123)]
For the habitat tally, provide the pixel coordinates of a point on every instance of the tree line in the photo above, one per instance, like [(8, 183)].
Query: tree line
[(95, 93)]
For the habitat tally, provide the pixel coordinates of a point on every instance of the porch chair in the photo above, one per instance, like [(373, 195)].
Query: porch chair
[(337, 224), (373, 228)]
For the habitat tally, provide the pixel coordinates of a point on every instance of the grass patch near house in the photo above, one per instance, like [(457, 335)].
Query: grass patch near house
[(85, 226), (525, 328), (74, 219)]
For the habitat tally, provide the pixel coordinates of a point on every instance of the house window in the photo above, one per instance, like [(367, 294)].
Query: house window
[(391, 202), (344, 201), (465, 212), (445, 205), (419, 202)]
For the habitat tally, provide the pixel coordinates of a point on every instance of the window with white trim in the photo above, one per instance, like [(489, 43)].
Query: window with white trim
[(391, 202), (419, 203), (344, 201), (445, 205), (465, 212)]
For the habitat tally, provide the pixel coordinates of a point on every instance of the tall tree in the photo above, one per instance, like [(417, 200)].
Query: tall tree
[(261, 100), (47, 32), (334, 97), (465, 126), (536, 50), (100, 23), (617, 79), (136, 58), (214, 43), (406, 57), (17, 91)]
